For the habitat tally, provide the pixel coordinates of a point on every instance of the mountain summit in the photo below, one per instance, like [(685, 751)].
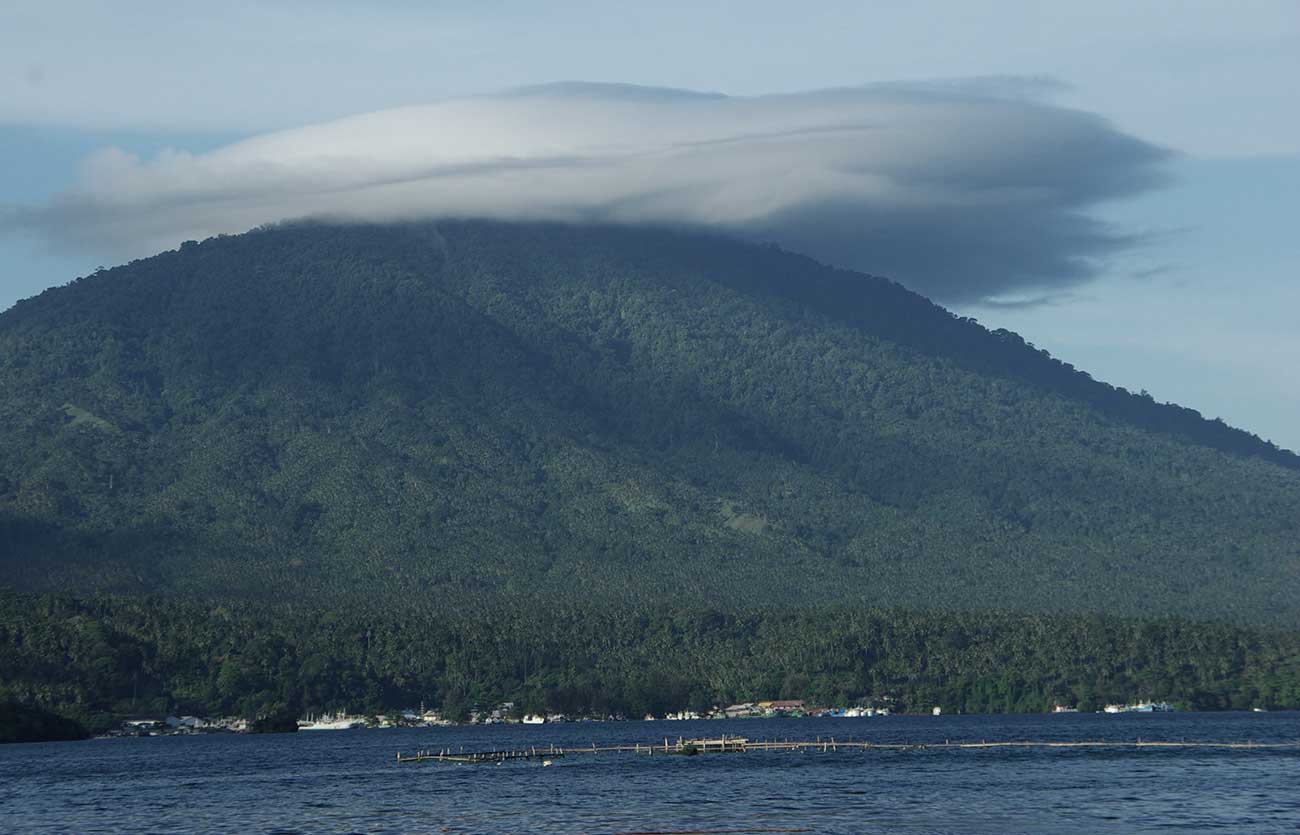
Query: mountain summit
[(495, 412)]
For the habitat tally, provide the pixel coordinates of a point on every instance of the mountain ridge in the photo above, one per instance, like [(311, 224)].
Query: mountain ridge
[(494, 409)]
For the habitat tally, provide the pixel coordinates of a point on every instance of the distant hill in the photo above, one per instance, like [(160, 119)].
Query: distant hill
[(478, 414)]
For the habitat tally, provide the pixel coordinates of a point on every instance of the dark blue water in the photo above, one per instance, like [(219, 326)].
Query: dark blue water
[(349, 782)]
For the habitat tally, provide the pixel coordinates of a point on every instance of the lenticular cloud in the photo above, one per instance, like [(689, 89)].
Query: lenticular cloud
[(963, 192)]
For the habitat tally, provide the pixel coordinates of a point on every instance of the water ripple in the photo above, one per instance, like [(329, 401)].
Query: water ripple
[(347, 783)]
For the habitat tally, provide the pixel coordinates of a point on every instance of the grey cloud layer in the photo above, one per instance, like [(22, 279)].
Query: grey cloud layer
[(962, 192)]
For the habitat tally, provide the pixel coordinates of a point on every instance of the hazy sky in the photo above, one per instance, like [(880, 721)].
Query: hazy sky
[(1116, 181)]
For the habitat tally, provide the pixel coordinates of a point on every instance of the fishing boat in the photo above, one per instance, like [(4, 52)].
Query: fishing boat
[(327, 722), (1151, 707)]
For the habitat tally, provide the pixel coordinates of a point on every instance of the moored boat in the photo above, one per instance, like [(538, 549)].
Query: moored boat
[(341, 722)]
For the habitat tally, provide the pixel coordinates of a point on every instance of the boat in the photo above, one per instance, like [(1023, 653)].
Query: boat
[(1151, 707), (856, 712), (534, 719), (342, 722), (1141, 707)]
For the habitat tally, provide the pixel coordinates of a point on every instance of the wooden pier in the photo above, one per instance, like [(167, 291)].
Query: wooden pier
[(741, 745)]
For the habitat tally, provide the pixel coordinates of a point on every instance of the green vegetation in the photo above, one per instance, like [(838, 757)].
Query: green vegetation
[(80, 417), (131, 656), (468, 413), (24, 723), (603, 470)]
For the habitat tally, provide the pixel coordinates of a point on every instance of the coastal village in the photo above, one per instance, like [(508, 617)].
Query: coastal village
[(505, 713), (508, 713)]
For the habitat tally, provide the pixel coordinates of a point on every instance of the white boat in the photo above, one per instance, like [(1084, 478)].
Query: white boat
[(1141, 707), (1151, 707), (534, 719), (342, 722)]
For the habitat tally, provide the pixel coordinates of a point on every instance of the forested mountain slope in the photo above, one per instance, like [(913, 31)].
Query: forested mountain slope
[(470, 413)]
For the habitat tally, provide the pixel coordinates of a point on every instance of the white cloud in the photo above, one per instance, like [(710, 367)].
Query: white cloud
[(963, 190)]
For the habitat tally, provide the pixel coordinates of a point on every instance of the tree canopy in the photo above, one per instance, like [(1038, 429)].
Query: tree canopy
[(466, 412)]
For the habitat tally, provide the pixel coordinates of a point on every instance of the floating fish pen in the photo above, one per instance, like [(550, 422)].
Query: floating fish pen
[(741, 745), (446, 755)]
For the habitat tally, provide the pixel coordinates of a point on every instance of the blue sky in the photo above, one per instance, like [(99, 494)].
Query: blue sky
[(1199, 310)]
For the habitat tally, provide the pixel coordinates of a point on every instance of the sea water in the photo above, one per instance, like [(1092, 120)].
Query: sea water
[(350, 781)]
